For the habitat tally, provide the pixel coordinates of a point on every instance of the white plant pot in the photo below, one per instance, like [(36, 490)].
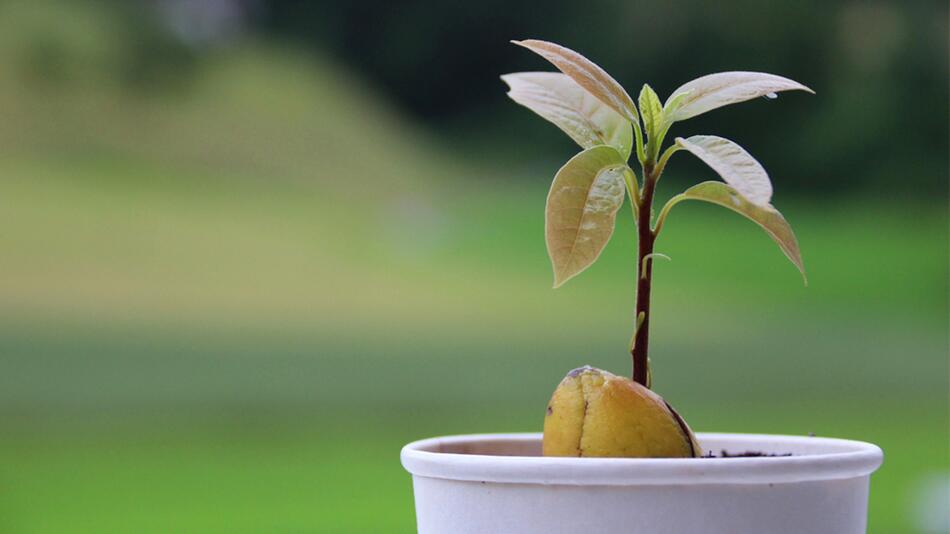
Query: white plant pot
[(499, 483)]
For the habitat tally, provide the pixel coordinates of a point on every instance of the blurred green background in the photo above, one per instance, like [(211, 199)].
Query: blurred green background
[(250, 249)]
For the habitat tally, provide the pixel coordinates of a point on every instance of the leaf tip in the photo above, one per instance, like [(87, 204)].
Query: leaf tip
[(796, 258), (562, 276)]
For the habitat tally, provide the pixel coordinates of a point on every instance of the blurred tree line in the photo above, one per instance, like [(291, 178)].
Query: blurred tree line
[(878, 125), (880, 69)]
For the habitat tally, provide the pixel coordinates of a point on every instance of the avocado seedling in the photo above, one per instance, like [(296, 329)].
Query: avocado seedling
[(593, 412)]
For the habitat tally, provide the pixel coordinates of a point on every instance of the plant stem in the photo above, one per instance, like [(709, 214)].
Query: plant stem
[(646, 240)]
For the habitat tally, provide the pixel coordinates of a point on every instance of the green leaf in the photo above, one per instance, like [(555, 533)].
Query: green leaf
[(723, 88), (582, 208), (736, 167), (560, 100), (650, 109), (587, 74), (767, 216), (652, 112)]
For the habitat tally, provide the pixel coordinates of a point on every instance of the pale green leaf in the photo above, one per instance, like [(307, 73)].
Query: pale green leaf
[(559, 99), (736, 167), (587, 74), (673, 103), (582, 208), (721, 89), (652, 112), (766, 217)]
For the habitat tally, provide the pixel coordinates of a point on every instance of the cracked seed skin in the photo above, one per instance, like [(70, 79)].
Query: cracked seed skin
[(594, 413)]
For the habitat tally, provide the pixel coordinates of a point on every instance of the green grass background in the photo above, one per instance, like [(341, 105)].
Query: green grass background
[(226, 309)]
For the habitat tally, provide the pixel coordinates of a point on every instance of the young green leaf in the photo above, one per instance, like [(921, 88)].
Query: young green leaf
[(736, 167), (652, 112), (721, 89), (560, 100), (581, 210), (766, 216), (587, 74)]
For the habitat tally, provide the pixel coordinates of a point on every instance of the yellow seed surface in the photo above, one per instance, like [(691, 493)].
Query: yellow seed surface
[(595, 413)]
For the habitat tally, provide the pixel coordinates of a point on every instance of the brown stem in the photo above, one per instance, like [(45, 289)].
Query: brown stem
[(644, 278)]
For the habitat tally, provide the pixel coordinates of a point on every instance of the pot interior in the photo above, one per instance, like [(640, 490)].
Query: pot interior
[(501, 446), (731, 444)]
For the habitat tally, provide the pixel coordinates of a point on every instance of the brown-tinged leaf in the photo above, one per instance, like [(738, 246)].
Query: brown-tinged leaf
[(766, 216), (559, 99), (587, 74), (736, 166), (581, 210), (723, 88)]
